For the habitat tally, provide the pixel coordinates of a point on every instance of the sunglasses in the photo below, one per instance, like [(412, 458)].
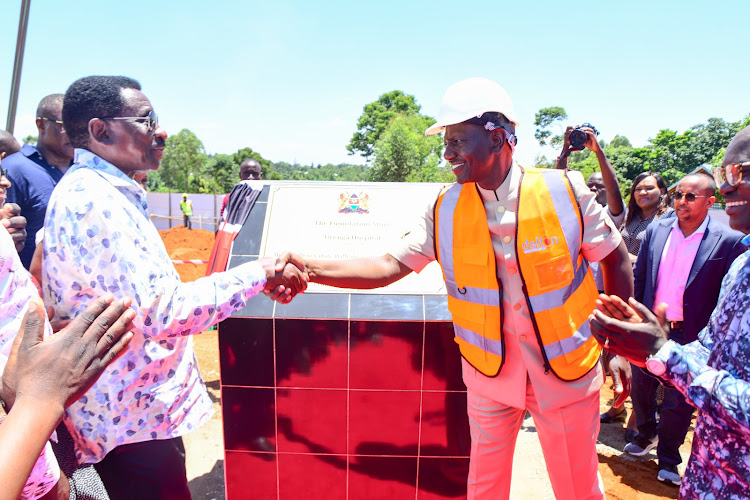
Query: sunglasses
[(731, 174), (689, 197), (151, 120)]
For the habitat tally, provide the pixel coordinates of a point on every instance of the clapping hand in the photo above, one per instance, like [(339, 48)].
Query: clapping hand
[(59, 369), (629, 329)]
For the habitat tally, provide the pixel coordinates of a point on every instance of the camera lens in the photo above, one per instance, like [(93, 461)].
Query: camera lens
[(577, 139)]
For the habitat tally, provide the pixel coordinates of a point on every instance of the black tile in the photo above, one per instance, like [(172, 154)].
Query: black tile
[(315, 306), (387, 307), (263, 198), (248, 239), (259, 306), (246, 352), (249, 419)]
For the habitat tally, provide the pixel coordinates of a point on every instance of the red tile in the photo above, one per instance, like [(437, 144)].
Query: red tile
[(442, 359), (311, 353), (376, 478), (386, 355), (445, 425), (249, 419), (441, 478), (383, 423), (250, 475), (312, 477), (312, 420)]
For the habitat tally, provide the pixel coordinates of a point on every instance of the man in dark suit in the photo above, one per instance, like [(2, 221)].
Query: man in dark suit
[(681, 263)]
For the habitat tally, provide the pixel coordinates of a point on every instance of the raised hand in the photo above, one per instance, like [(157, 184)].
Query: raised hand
[(15, 223), (59, 369)]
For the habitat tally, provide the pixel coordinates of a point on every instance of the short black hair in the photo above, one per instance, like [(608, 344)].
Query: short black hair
[(93, 97)]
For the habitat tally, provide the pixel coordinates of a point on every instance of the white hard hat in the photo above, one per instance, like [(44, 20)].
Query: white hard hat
[(471, 99)]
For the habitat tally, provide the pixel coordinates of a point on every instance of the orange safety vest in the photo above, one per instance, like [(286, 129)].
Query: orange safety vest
[(558, 285)]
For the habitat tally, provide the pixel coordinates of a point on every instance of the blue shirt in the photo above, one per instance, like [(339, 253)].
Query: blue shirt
[(714, 374), (33, 180), (98, 238)]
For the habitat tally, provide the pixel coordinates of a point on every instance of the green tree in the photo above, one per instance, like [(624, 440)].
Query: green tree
[(620, 141), (30, 139), (376, 117), (404, 153), (544, 120), (184, 157)]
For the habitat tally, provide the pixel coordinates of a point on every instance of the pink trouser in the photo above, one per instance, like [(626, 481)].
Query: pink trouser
[(567, 435)]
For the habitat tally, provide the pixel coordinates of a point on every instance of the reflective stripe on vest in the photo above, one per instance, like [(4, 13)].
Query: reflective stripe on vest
[(557, 280), (561, 347), (473, 297)]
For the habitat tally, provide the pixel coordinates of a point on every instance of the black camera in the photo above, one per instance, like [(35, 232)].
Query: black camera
[(578, 137)]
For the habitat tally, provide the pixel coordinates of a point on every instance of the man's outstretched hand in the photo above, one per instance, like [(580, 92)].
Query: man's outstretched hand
[(629, 329), (285, 277), (61, 368)]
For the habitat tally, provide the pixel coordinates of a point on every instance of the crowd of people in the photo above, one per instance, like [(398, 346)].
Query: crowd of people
[(656, 283)]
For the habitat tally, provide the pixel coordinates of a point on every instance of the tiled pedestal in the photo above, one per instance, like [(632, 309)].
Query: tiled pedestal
[(339, 395), (348, 408)]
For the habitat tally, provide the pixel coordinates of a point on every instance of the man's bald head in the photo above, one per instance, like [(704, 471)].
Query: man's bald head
[(8, 143), (250, 170), (738, 150), (50, 107)]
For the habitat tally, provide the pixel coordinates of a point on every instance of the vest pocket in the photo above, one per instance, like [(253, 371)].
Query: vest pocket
[(554, 273)]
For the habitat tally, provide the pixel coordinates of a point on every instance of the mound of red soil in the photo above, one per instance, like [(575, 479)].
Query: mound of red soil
[(184, 244)]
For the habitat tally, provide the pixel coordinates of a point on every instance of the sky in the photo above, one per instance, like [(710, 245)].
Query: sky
[(290, 78)]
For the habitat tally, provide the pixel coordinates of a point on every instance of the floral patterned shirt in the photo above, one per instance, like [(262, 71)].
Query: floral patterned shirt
[(714, 373), (16, 289), (97, 239)]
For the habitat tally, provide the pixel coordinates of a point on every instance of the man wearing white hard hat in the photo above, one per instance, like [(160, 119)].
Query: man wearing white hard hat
[(514, 245)]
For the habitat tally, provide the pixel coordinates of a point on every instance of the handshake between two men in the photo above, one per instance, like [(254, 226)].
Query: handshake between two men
[(289, 274)]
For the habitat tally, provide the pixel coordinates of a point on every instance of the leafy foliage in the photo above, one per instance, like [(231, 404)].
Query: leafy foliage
[(184, 157), (404, 153), (545, 118), (376, 117)]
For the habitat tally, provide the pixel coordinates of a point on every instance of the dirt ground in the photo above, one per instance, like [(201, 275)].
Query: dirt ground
[(624, 477)]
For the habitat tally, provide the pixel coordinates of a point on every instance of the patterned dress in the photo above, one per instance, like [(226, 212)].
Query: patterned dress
[(714, 374), (16, 289), (98, 238), (633, 231)]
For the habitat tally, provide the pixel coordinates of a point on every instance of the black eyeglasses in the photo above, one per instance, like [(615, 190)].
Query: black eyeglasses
[(56, 122), (151, 120), (731, 174), (689, 197)]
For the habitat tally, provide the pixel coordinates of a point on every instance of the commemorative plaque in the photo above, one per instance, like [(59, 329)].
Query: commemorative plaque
[(342, 393)]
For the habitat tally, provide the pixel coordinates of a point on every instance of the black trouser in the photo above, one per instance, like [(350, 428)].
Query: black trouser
[(186, 221), (676, 413), (149, 470)]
